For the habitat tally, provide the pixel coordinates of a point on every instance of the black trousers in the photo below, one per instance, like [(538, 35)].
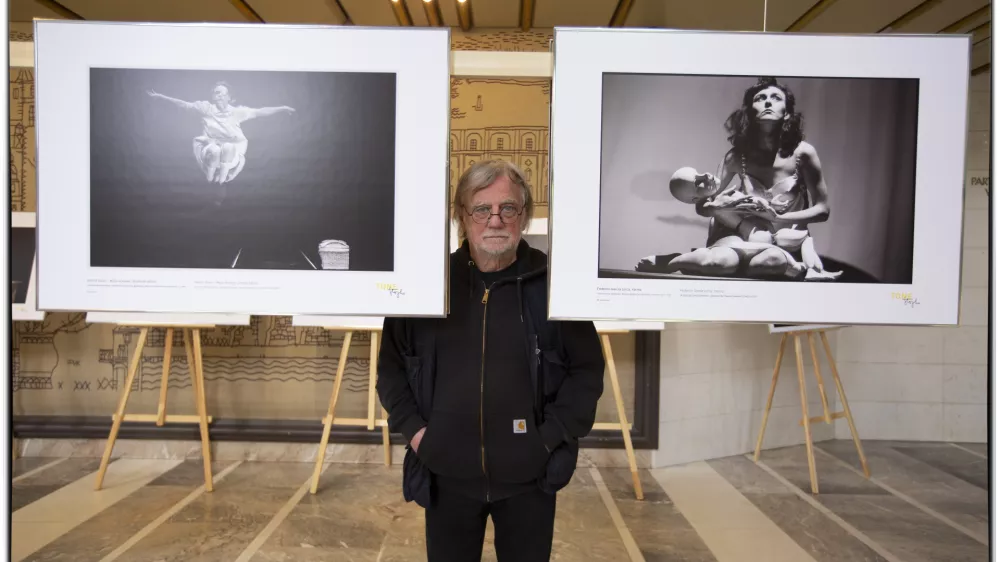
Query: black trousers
[(522, 524)]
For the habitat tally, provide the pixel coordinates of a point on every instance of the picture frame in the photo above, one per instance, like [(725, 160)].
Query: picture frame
[(629, 117), (242, 168), (24, 268)]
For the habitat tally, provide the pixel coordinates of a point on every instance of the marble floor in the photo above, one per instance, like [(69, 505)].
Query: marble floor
[(924, 502)]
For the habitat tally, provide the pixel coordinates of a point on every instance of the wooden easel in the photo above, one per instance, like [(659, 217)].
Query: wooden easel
[(192, 346), (622, 422), (370, 422), (807, 421)]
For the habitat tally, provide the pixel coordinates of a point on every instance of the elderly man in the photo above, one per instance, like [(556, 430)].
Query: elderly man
[(494, 398)]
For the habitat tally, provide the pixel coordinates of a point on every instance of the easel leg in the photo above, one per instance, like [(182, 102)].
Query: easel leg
[(386, 444), (161, 407), (805, 414), (372, 377), (328, 420), (819, 379), (620, 404), (199, 385), (770, 396), (843, 400), (120, 411)]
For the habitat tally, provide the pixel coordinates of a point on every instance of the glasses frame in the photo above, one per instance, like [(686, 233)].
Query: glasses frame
[(520, 211)]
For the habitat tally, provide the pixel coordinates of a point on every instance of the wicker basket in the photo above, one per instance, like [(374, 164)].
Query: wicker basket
[(334, 254)]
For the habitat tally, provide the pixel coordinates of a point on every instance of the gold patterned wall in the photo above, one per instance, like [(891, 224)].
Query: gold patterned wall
[(269, 369)]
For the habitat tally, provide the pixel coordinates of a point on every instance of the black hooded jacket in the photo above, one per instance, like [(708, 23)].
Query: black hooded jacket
[(504, 393)]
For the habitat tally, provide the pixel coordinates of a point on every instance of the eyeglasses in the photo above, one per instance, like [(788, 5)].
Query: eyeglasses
[(483, 213)]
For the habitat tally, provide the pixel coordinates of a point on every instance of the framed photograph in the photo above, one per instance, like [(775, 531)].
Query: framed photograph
[(22, 268), (242, 169), (755, 177)]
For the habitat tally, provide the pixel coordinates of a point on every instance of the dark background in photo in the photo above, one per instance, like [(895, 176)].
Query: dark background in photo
[(22, 256), (326, 171), (864, 131)]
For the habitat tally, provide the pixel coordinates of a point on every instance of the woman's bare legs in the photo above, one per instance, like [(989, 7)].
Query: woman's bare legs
[(211, 161), (775, 261), (227, 161), (706, 261)]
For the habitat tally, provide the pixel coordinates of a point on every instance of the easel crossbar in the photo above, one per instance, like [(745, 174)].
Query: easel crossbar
[(169, 418), (192, 348)]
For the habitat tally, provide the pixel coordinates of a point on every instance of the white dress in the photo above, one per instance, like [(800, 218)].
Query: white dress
[(222, 128)]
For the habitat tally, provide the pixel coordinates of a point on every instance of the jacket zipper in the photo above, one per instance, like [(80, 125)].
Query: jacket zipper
[(482, 394)]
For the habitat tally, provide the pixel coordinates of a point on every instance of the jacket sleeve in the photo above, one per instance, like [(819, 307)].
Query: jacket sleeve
[(571, 415), (393, 384)]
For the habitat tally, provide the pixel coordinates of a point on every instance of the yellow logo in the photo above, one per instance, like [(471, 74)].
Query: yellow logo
[(907, 299), (520, 426)]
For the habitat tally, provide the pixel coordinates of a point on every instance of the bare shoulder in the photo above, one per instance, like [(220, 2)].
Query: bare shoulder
[(807, 154), (730, 161)]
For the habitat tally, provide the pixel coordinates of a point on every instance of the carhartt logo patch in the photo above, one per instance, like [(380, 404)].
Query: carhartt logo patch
[(520, 426)]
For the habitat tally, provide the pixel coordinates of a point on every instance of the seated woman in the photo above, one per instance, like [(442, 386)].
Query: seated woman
[(770, 189)]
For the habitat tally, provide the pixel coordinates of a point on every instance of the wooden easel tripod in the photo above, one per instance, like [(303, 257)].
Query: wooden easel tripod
[(192, 347), (807, 421), (370, 422)]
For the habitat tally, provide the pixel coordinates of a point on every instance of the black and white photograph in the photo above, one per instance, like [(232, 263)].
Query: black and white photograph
[(242, 169), (222, 169), (786, 184), (22, 261), (758, 178)]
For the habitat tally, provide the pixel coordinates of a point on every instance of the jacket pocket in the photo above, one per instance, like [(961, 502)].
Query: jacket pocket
[(560, 468), (514, 449), (416, 479), (450, 445)]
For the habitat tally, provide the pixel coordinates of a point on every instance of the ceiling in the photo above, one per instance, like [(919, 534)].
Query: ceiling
[(815, 16)]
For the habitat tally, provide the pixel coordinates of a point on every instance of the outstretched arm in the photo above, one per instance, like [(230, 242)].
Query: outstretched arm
[(179, 103), (268, 111)]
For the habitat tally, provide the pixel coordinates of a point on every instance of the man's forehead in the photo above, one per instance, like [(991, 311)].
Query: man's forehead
[(485, 199)]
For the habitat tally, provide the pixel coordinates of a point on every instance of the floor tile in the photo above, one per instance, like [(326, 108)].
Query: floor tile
[(731, 526), (955, 499), (822, 538), (658, 527), (219, 525), (45, 520), (901, 528), (954, 461)]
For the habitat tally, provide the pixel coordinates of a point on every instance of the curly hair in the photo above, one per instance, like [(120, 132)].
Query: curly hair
[(741, 124)]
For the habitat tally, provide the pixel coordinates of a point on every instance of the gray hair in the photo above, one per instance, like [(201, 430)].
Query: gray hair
[(482, 175)]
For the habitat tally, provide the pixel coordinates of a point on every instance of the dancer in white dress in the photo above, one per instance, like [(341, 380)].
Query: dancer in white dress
[(221, 147)]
